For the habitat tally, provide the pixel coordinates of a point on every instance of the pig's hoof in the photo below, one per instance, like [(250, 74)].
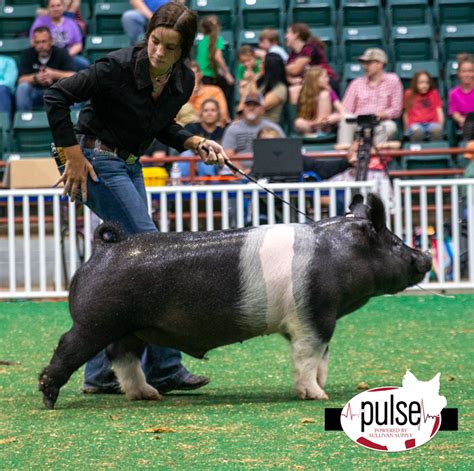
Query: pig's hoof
[(144, 393), (312, 393), (50, 392)]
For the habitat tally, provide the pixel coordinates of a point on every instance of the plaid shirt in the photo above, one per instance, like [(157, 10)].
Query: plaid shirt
[(386, 97)]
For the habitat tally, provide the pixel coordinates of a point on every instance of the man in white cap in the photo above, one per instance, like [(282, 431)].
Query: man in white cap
[(378, 93)]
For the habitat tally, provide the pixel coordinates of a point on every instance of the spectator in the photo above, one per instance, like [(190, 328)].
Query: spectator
[(248, 70), (272, 85), (210, 59), (203, 92), (319, 108), (65, 32), (40, 67), (72, 10), (461, 98), (377, 93), (306, 50), (239, 136), (8, 76), (134, 22), (208, 127), (269, 41), (423, 117)]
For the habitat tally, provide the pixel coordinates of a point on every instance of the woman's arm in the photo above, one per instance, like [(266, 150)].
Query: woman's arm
[(297, 67), (223, 67), (459, 118), (75, 49)]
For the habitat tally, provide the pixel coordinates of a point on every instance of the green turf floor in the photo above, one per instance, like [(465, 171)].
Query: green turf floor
[(248, 417)]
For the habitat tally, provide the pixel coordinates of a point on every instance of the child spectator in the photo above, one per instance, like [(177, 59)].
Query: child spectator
[(8, 76), (248, 71), (461, 98), (423, 115), (306, 50), (319, 108), (65, 32), (269, 41), (272, 85), (210, 59)]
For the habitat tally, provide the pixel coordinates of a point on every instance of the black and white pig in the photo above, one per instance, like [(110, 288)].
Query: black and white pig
[(198, 291)]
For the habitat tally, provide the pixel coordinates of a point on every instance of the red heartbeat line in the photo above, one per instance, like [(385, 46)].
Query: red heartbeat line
[(425, 416)]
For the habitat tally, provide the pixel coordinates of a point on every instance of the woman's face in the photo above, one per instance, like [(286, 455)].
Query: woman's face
[(466, 74), (323, 81), (423, 84), (290, 37), (164, 48), (210, 113)]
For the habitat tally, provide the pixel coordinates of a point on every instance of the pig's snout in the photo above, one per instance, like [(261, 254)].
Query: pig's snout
[(423, 262)]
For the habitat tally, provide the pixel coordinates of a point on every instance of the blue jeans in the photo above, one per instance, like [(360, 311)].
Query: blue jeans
[(28, 96), (422, 131), (80, 62), (134, 25), (120, 196), (202, 170), (6, 100)]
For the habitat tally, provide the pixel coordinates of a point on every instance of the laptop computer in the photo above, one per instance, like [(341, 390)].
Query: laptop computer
[(279, 160)]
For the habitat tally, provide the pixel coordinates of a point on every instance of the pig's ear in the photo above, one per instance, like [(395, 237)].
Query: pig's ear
[(357, 207), (376, 213)]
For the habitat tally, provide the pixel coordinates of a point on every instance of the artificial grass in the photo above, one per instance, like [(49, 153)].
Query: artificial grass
[(249, 416)]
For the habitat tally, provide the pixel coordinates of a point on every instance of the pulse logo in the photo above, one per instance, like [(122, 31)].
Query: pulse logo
[(393, 418)]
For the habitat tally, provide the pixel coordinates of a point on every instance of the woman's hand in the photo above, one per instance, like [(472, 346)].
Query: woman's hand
[(229, 78), (75, 174), (212, 153)]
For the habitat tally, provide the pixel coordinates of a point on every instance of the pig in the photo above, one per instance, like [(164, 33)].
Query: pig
[(201, 290)]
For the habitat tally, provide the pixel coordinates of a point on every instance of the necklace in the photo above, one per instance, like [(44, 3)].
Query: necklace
[(161, 79)]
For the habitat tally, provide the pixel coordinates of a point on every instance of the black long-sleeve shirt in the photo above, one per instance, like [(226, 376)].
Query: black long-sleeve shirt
[(121, 111)]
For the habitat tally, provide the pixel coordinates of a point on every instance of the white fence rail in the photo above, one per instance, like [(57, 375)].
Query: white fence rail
[(43, 239)]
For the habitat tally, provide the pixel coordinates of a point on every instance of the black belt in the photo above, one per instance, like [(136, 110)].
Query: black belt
[(95, 143)]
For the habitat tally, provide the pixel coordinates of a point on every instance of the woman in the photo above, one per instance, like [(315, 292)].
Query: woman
[(423, 115), (208, 126), (461, 98), (134, 96), (272, 85), (306, 50), (211, 60), (319, 109)]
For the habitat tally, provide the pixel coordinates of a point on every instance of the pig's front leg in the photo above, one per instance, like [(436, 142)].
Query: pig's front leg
[(307, 352), (323, 368)]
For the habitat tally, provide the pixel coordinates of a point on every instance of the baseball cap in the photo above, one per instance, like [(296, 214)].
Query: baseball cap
[(255, 98), (373, 54)]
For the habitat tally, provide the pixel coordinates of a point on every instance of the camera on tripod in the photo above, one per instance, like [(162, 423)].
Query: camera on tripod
[(365, 136)]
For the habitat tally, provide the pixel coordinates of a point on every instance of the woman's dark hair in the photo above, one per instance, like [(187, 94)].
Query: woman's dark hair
[(273, 73), (304, 33), (179, 17), (414, 87), (210, 27)]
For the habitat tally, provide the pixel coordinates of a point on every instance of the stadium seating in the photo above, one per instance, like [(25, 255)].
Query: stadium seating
[(328, 36), (315, 13), (31, 132), (107, 18), (413, 43), (450, 12), (356, 40), (456, 39), (350, 71), (15, 21), (14, 47), (361, 13), (412, 162), (99, 46), (260, 14), (408, 12), (451, 74), (406, 70), (223, 9)]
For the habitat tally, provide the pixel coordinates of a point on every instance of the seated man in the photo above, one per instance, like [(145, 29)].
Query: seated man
[(40, 67), (65, 32), (378, 93)]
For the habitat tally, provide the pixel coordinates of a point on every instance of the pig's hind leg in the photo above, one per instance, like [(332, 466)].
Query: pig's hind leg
[(75, 348), (125, 356)]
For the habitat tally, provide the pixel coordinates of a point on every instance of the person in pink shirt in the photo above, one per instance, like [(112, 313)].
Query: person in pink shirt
[(378, 93), (423, 117), (461, 98), (65, 32)]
